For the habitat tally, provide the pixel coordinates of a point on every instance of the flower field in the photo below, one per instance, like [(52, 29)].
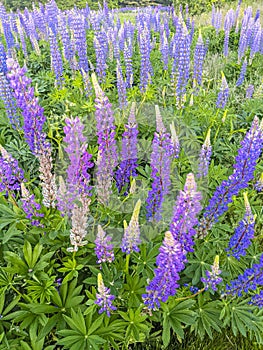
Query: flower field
[(131, 178)]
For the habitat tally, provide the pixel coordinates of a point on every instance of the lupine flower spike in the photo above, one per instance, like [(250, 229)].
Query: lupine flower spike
[(104, 298), (212, 278), (244, 233), (103, 248), (131, 238), (259, 184), (30, 206), (204, 157)]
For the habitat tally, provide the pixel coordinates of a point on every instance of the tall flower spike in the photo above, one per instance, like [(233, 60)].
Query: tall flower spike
[(129, 158), (32, 113), (170, 262), (244, 167), (186, 209), (162, 151), (205, 156), (107, 155), (104, 298), (244, 233), (175, 140), (242, 73), (212, 278), (223, 94), (249, 280), (103, 249), (131, 238)]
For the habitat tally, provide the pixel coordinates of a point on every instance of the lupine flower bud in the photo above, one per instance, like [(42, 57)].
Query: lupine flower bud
[(103, 248), (131, 238), (104, 298), (204, 157), (223, 94), (212, 277)]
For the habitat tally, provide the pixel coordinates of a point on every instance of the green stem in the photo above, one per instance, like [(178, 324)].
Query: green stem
[(190, 296), (127, 264)]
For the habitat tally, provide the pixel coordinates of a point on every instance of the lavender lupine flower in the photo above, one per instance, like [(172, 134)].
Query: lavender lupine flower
[(212, 278), (259, 184), (80, 41), (205, 157), (170, 262), (11, 175), (223, 93), (22, 37), (242, 73), (107, 157), (78, 187), (128, 50), (257, 299), (175, 140), (244, 233), (199, 56), (100, 45), (67, 47), (7, 97), (145, 49), (121, 85), (162, 152), (244, 167), (249, 91), (103, 298), (187, 207), (255, 47), (249, 280), (56, 59), (131, 238), (183, 64), (164, 47), (32, 113), (128, 165), (103, 248), (30, 206), (87, 83)]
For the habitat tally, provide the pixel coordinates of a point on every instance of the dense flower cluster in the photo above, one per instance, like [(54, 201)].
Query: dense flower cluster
[(103, 298), (103, 248), (246, 160), (212, 278), (241, 239)]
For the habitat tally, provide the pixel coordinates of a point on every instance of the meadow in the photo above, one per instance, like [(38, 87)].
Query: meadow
[(131, 178)]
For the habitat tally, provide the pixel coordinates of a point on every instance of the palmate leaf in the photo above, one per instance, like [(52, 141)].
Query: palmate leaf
[(208, 317), (176, 316)]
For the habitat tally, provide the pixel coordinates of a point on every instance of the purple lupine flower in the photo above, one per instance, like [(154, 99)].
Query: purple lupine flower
[(257, 299), (255, 47), (11, 175), (56, 59), (175, 141), (223, 93), (249, 280), (30, 206), (129, 158), (212, 278), (199, 56), (7, 97), (205, 157), (100, 45), (103, 247), (66, 41), (78, 178), (244, 167), (107, 156), (87, 83), (162, 151), (164, 48), (127, 53), (244, 233), (249, 91), (32, 113), (183, 64), (259, 184), (145, 49), (131, 238), (170, 262), (80, 42), (242, 73), (22, 37), (187, 207), (103, 298), (121, 85)]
